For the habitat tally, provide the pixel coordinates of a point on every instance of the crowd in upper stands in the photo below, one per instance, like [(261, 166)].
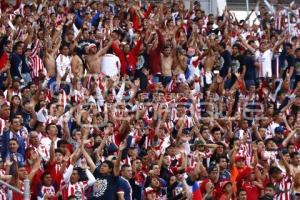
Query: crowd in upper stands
[(144, 100)]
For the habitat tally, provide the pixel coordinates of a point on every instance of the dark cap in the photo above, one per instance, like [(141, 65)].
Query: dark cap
[(279, 129), (16, 79)]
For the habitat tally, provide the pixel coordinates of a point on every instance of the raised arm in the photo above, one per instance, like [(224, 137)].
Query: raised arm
[(103, 51), (278, 44), (246, 44), (88, 159), (116, 169), (288, 138)]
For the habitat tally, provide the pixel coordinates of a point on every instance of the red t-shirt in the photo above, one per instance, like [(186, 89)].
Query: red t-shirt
[(54, 170), (251, 190)]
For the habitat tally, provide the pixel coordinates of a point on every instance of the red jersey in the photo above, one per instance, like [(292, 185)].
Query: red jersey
[(55, 173), (251, 190)]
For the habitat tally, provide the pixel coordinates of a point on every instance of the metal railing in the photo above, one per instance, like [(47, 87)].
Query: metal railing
[(26, 193)]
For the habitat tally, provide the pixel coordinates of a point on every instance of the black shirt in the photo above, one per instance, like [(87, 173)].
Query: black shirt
[(227, 63), (237, 63), (105, 187)]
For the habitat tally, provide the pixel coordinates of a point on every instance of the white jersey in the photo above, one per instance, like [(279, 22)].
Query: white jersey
[(110, 65), (265, 62)]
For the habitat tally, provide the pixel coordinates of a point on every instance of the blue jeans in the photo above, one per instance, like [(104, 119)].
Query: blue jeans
[(155, 78), (166, 80)]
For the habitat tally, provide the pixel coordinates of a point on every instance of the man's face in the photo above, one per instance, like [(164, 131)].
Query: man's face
[(13, 146), (47, 181), (291, 148), (223, 163), (52, 132), (16, 124), (138, 165), (235, 51), (126, 48), (93, 49), (213, 174), (104, 169), (156, 170), (270, 191), (19, 50), (127, 173), (242, 195), (217, 136), (22, 173), (58, 157), (263, 46), (34, 140), (167, 51), (167, 160), (65, 51), (5, 112), (74, 177), (16, 85), (155, 182)]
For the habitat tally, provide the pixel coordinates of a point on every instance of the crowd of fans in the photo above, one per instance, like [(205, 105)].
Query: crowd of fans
[(135, 100)]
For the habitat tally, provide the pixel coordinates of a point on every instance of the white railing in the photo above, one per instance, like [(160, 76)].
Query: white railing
[(26, 193)]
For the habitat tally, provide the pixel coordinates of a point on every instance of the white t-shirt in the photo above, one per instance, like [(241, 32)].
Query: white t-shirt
[(62, 64), (265, 62), (46, 142), (110, 65), (272, 128)]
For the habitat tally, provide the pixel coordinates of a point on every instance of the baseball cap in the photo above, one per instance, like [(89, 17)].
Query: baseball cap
[(279, 130), (149, 190), (224, 183), (239, 158)]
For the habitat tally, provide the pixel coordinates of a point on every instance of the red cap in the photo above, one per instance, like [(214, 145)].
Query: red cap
[(224, 183), (239, 158), (189, 169), (149, 190)]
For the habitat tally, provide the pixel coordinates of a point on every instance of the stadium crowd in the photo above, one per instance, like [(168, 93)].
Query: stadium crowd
[(142, 100)]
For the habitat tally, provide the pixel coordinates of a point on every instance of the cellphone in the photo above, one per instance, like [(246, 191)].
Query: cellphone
[(216, 72)]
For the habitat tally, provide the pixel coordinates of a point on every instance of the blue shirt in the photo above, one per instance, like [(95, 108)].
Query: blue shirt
[(225, 175), (124, 187)]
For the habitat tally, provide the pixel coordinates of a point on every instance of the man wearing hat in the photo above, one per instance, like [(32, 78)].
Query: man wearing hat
[(227, 191), (150, 193), (279, 135), (94, 57)]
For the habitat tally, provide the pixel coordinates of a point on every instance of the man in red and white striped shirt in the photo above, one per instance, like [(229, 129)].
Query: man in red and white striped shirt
[(46, 190), (282, 183), (71, 184)]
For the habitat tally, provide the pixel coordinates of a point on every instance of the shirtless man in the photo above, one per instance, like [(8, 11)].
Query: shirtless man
[(93, 58), (180, 64), (166, 65), (208, 65), (50, 55), (77, 68)]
